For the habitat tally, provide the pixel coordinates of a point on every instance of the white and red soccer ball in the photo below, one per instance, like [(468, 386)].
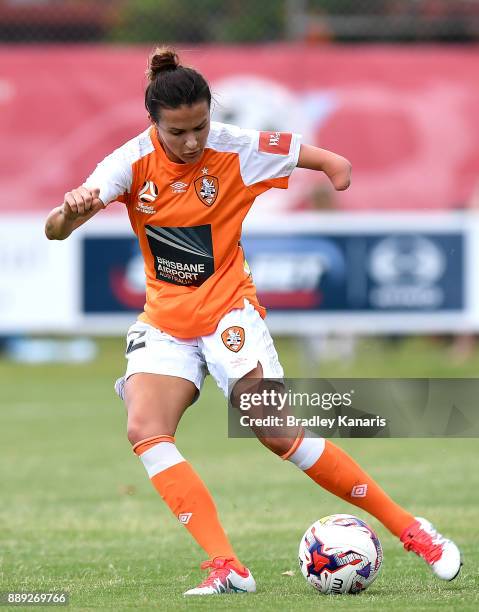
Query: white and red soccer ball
[(339, 554)]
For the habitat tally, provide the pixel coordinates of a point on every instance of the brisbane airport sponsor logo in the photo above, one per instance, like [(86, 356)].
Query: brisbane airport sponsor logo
[(233, 338), (182, 255), (207, 189)]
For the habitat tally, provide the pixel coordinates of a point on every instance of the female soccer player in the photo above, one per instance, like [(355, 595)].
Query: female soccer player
[(188, 185)]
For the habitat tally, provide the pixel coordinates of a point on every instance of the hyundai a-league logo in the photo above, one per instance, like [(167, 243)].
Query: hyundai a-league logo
[(148, 193)]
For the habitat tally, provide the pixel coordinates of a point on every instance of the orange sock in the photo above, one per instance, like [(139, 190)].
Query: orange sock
[(333, 469), (186, 495)]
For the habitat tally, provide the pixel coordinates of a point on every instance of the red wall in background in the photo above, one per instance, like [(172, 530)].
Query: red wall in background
[(407, 117)]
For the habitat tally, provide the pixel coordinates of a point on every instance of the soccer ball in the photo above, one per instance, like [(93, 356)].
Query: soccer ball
[(340, 554)]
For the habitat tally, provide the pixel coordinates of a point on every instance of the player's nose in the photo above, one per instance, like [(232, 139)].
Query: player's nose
[(191, 143)]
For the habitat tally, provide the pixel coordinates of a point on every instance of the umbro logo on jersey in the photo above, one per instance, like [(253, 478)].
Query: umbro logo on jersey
[(148, 193), (207, 188), (179, 187), (233, 338)]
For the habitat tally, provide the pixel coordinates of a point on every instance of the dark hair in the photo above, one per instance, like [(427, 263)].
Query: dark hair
[(172, 84)]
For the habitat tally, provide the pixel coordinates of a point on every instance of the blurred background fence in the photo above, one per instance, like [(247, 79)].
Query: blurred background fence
[(234, 21)]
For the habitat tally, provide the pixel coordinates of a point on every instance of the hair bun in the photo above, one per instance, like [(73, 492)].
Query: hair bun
[(162, 60)]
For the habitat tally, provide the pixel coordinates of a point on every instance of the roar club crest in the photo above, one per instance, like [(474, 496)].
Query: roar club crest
[(233, 338), (206, 188)]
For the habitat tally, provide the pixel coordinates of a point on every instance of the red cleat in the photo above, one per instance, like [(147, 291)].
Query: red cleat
[(224, 578), (440, 554)]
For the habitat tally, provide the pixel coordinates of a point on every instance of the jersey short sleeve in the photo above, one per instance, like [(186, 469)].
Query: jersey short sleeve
[(114, 175), (266, 158)]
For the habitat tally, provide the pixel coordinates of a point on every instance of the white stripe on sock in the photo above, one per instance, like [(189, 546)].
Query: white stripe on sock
[(307, 453), (161, 457)]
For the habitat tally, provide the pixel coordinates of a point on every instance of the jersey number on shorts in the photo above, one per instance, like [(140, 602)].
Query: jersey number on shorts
[(134, 341)]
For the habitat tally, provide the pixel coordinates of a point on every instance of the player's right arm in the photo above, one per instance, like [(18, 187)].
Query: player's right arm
[(78, 206), (111, 180)]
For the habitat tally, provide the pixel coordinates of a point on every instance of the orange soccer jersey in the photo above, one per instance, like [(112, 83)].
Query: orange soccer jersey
[(188, 219)]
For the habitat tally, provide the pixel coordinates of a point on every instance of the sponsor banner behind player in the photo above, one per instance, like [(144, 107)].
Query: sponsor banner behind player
[(387, 271), (356, 408), (315, 273), (39, 284), (319, 273), (118, 282)]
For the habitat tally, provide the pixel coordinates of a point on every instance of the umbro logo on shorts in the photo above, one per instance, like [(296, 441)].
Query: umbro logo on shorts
[(233, 338)]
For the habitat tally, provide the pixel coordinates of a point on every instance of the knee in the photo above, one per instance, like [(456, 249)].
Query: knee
[(135, 431), (139, 428)]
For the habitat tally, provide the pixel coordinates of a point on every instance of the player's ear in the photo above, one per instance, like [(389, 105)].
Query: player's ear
[(150, 119)]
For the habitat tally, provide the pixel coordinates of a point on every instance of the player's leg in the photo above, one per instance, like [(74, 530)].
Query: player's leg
[(155, 404), (327, 464), (333, 469), (324, 462), (156, 400)]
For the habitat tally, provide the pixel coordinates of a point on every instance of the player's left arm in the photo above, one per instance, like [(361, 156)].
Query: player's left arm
[(336, 167)]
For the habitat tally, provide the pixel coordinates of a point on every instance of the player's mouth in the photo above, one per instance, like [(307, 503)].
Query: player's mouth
[(192, 154)]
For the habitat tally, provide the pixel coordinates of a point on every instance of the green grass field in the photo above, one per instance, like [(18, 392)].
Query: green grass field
[(78, 513)]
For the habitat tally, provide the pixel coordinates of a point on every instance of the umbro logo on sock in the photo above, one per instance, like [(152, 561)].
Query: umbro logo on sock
[(359, 490), (184, 517)]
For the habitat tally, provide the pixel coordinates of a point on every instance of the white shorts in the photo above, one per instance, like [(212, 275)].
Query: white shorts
[(240, 341)]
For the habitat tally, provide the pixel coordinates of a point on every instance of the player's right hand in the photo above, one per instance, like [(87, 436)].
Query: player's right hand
[(80, 201)]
